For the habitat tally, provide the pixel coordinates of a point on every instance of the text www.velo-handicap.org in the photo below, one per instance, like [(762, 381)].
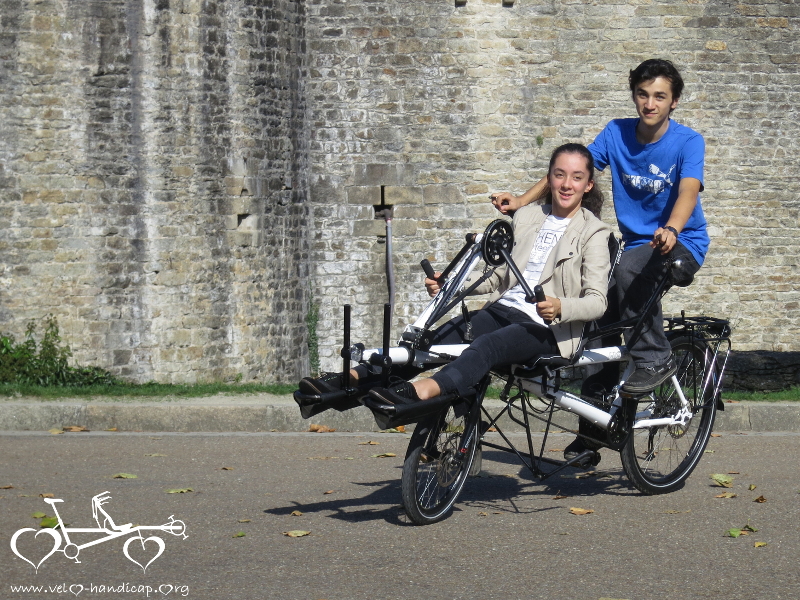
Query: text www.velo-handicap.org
[(76, 589)]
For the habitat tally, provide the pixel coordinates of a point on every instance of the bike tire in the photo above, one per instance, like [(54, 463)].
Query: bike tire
[(434, 472), (658, 460)]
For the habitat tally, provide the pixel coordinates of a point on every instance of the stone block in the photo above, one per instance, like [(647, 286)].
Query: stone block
[(442, 194), (403, 195)]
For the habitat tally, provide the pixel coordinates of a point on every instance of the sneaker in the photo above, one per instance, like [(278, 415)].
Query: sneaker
[(400, 392), (646, 379), (328, 382)]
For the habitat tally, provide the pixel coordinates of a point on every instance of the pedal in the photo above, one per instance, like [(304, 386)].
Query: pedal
[(388, 416), (313, 404), (586, 459)]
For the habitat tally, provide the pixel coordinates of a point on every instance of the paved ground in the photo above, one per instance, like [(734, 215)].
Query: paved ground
[(510, 538)]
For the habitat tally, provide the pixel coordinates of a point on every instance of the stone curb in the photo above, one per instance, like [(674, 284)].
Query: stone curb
[(259, 413)]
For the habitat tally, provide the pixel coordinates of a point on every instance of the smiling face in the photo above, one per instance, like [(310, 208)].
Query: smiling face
[(654, 102), (569, 180)]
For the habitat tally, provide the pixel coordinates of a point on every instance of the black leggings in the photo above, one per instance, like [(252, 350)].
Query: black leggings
[(503, 336)]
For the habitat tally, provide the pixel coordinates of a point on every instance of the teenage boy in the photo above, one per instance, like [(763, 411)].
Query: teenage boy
[(657, 175)]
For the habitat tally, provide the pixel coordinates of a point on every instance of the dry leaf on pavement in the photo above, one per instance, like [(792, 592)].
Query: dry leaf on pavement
[(581, 511)]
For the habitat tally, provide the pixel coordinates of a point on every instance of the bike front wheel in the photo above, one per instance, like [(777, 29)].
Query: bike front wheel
[(658, 460), (438, 461)]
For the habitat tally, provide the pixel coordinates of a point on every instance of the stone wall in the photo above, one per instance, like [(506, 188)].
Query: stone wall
[(153, 164), (181, 178), (442, 104)]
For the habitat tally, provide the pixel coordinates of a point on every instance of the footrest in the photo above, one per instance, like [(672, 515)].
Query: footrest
[(313, 404), (388, 415)]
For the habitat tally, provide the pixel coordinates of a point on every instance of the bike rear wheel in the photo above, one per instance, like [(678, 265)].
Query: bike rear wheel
[(658, 460), (438, 461)]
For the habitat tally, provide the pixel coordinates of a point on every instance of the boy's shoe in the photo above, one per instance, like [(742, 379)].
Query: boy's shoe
[(325, 383), (646, 379)]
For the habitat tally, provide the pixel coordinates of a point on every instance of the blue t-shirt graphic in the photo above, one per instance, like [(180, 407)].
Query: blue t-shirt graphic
[(646, 177)]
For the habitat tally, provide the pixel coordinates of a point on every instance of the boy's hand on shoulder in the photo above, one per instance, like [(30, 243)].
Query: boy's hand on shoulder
[(506, 203)]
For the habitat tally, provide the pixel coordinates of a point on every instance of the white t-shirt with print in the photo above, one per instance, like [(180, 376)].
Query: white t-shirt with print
[(549, 235)]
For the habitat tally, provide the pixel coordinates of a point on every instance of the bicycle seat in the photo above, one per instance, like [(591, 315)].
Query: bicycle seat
[(679, 276)]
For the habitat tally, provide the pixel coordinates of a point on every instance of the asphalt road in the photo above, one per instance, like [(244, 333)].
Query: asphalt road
[(508, 538)]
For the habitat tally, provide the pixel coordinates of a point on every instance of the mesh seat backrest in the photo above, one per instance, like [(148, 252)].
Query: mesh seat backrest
[(615, 247)]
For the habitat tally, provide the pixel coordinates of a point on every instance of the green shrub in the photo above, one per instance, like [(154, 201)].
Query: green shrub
[(45, 364)]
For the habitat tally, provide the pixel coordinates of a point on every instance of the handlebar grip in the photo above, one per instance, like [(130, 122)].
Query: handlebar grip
[(538, 291), (426, 266)]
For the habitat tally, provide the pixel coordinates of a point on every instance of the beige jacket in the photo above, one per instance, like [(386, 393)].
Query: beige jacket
[(576, 271)]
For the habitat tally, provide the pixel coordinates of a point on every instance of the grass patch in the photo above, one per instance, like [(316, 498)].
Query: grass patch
[(790, 395), (145, 390)]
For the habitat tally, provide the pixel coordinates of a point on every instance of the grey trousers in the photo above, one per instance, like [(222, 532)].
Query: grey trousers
[(635, 279)]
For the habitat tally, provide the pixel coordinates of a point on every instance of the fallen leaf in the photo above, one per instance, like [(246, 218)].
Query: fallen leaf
[(6, 487), (226, 469), (75, 428), (560, 497), (296, 513), (321, 429), (581, 511), (398, 429), (38, 515), (492, 429), (46, 496), (759, 544), (483, 514), (328, 492), (111, 429), (401, 428), (156, 454), (751, 487), (726, 495), (243, 521), (760, 500), (296, 533), (55, 431), (239, 534), (384, 455), (733, 472), (180, 491), (369, 443), (124, 476), (733, 532), (556, 450), (721, 480), (716, 435), (48, 523), (749, 527)]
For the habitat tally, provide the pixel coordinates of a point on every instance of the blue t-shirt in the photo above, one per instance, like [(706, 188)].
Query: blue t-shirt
[(646, 177)]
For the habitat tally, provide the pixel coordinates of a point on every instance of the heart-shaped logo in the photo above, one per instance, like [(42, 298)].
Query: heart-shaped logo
[(158, 541), (78, 588), (51, 532)]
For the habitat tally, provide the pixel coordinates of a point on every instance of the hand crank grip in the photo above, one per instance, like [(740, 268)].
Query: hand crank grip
[(538, 291), (426, 266)]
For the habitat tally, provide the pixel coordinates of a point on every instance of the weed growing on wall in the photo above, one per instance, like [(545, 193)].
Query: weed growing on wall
[(45, 363)]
